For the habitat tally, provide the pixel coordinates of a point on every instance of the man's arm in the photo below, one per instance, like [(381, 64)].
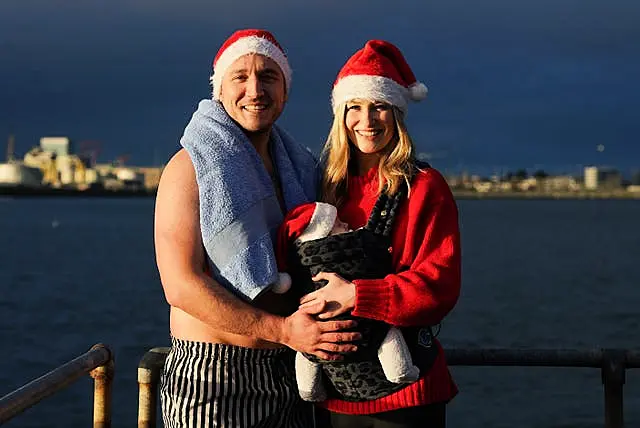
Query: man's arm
[(181, 259)]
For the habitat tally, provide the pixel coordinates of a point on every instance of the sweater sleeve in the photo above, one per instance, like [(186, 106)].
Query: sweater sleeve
[(427, 283)]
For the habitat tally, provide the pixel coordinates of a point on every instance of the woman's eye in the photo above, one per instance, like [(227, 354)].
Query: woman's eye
[(354, 107)]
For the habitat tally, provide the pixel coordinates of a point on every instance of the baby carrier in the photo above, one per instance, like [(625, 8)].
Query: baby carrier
[(360, 254)]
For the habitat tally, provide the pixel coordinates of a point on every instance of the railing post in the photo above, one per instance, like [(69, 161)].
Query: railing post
[(149, 371), (35, 391), (613, 378), (102, 382)]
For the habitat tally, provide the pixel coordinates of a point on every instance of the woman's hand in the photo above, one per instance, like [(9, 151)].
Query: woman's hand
[(339, 294)]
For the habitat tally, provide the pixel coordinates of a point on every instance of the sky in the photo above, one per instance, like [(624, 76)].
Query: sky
[(512, 84)]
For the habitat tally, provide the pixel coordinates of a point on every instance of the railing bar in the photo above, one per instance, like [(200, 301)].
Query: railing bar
[(535, 357), (593, 358), (608, 360), (52, 382)]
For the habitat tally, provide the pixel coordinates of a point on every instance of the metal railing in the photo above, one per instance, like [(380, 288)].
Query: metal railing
[(98, 362), (611, 362), (149, 371)]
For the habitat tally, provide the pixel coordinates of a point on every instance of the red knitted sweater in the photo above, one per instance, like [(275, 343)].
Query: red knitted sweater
[(426, 257)]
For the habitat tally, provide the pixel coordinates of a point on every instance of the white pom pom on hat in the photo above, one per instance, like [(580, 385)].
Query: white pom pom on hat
[(418, 91), (378, 72), (283, 285)]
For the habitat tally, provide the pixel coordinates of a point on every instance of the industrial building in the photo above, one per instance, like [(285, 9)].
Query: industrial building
[(54, 164)]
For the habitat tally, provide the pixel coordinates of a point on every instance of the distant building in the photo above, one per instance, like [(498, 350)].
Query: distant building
[(600, 178), (504, 186), (17, 174), (528, 184), (61, 146), (59, 165), (610, 179), (591, 177), (482, 186), (560, 183)]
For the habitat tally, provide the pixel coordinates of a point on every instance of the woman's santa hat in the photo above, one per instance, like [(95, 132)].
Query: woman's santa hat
[(244, 42), (377, 72)]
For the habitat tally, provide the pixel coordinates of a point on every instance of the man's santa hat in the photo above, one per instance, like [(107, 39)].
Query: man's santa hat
[(377, 72), (244, 42)]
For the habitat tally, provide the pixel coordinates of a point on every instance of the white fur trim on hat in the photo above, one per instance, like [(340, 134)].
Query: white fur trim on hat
[(418, 91), (321, 223), (376, 88), (247, 45)]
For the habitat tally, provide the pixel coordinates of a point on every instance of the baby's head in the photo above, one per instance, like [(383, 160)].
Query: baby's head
[(313, 220), (339, 226), (305, 222)]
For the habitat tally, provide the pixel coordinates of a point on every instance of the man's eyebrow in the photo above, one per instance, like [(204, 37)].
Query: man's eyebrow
[(269, 71), (265, 71)]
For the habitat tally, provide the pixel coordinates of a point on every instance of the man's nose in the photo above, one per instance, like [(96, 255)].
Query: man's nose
[(254, 87)]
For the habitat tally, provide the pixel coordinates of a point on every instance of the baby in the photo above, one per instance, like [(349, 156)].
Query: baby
[(313, 222)]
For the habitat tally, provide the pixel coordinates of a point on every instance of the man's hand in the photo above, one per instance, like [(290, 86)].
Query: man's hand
[(324, 339)]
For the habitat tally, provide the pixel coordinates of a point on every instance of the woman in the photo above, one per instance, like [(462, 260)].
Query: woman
[(369, 154)]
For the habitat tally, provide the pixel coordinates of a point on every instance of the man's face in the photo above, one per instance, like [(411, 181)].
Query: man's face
[(253, 92)]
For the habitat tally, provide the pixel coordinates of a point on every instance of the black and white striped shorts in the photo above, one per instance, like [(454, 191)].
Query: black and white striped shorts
[(224, 386)]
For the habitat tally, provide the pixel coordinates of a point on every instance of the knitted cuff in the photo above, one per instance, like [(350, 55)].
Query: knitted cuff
[(372, 299)]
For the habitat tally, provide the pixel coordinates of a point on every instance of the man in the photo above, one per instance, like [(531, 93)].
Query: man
[(219, 203)]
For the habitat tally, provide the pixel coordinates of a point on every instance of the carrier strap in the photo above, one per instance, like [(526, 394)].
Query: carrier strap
[(385, 209)]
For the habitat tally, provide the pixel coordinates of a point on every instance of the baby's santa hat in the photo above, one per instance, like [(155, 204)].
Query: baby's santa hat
[(377, 72), (244, 42), (305, 222)]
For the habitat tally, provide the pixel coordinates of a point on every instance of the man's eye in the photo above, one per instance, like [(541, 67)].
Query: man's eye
[(382, 107)]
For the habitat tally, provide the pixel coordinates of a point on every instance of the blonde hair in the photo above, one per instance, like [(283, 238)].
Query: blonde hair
[(396, 165)]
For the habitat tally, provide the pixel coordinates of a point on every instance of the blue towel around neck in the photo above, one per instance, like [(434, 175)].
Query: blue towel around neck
[(239, 210)]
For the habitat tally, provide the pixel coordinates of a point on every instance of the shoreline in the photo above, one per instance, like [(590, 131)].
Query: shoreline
[(21, 192), (602, 195), (26, 192)]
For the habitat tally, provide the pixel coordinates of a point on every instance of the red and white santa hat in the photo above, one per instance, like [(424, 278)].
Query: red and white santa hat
[(244, 42), (377, 72), (313, 220)]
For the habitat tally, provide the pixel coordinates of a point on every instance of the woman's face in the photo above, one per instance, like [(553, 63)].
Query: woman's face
[(370, 125)]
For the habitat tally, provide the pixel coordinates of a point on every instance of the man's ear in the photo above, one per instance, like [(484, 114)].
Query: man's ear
[(286, 90)]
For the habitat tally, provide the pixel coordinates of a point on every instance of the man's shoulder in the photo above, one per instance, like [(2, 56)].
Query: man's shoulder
[(179, 160), (179, 169)]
